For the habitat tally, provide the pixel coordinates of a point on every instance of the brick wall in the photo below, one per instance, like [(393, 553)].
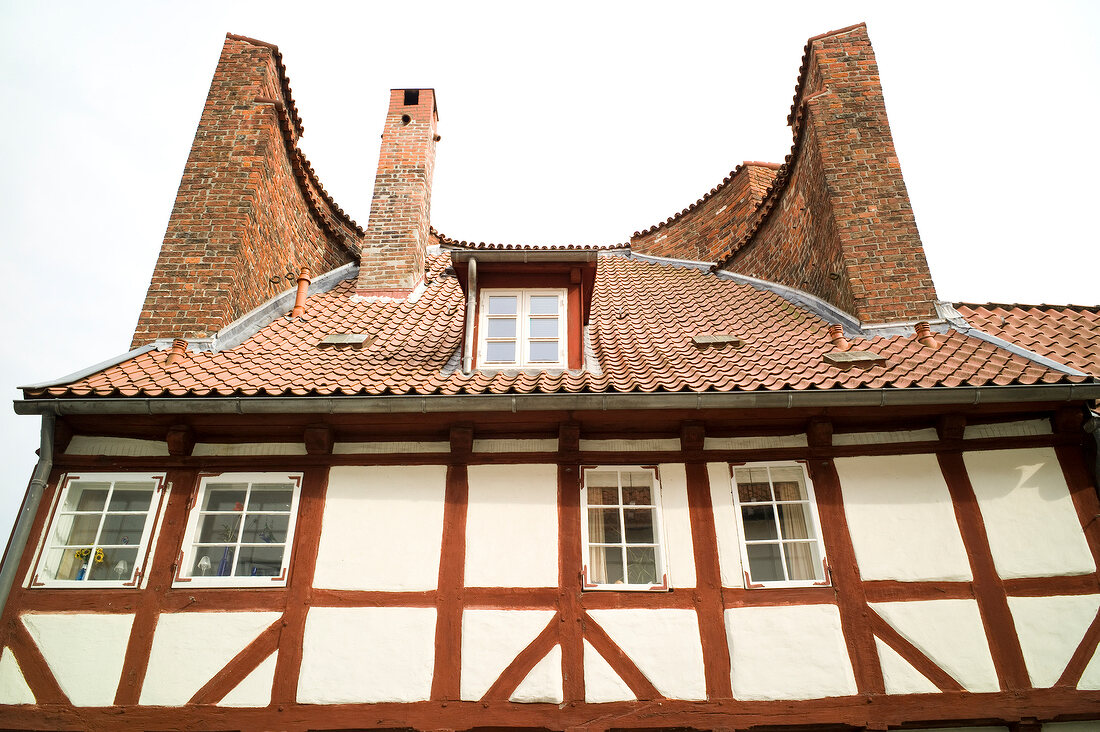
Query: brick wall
[(714, 223), (842, 227), (392, 259), (248, 214)]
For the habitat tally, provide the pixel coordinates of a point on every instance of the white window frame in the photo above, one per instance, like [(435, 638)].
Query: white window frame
[(658, 531), (813, 519), (137, 571), (184, 577), (522, 339)]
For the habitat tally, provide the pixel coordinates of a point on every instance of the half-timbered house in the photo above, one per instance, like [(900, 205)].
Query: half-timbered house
[(744, 471)]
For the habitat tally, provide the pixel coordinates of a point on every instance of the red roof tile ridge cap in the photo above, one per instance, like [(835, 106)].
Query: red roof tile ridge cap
[(284, 80), (741, 168), (447, 241)]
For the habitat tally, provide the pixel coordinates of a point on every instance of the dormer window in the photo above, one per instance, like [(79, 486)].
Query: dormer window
[(521, 328)]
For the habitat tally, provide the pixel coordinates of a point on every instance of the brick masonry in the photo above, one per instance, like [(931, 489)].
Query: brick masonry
[(842, 226), (248, 215), (392, 260)]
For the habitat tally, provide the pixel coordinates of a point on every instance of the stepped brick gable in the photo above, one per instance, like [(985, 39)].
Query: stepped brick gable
[(691, 482), (250, 212)]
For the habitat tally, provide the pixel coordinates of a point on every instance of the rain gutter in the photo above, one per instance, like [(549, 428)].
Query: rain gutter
[(29, 510)]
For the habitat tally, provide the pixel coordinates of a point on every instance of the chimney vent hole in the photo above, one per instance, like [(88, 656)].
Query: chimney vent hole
[(412, 97), (405, 119)]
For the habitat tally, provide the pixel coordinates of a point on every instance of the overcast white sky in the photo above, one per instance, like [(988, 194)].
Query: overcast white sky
[(566, 122)]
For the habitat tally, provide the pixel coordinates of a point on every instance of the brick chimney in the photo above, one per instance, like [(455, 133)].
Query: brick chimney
[(392, 259)]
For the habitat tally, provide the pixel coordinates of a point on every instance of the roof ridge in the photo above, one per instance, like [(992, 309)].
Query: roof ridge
[(447, 241), (741, 167)]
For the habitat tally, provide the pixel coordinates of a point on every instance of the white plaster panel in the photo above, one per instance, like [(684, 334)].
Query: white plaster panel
[(901, 519), (543, 683), (628, 445), (254, 689), (224, 449), (950, 633), (725, 524), (1029, 516), (120, 446), (677, 525), (601, 683), (788, 652), (878, 438), (512, 526), (382, 528), (1050, 629), (1008, 429), (13, 686), (85, 652), (1071, 727), (491, 639), (515, 446), (899, 675), (377, 448), (1090, 677), (753, 443), (367, 655), (664, 644), (189, 648)]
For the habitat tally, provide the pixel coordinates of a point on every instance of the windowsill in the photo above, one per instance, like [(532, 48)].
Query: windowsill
[(127, 584), (229, 583), (786, 584)]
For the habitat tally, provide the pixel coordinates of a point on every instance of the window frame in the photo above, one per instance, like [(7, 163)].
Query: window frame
[(144, 545), (660, 540), (814, 522), (183, 576), (522, 338)]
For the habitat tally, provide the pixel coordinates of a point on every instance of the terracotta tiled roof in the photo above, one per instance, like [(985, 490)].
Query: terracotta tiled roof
[(1066, 333), (447, 241), (641, 333)]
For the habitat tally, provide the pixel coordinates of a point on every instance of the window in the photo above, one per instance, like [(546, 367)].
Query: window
[(99, 534), (240, 530), (621, 530), (780, 534), (521, 328)]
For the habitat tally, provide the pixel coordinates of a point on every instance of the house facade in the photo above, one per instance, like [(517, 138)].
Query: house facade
[(744, 471)]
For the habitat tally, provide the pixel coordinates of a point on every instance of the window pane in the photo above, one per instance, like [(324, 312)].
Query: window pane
[(224, 497), (792, 521), (606, 496), (86, 496), (759, 523), (544, 305), (544, 351), (212, 561), (764, 562), (750, 492), (502, 305), (259, 561), (63, 564), (637, 495), (641, 565), (639, 525), (502, 328), (603, 525), (543, 328), (270, 498), (265, 529), (802, 561), (605, 565), (117, 565), (602, 478), (125, 529), (131, 497), (77, 530), (791, 479), (501, 352)]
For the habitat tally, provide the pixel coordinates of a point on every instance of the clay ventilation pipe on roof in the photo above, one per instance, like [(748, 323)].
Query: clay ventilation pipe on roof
[(836, 335), (924, 334), (179, 349), (303, 290)]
